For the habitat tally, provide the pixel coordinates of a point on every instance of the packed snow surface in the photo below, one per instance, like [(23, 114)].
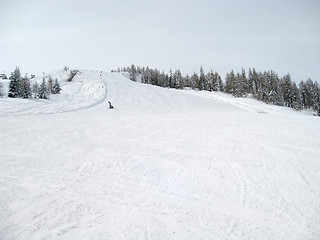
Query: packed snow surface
[(164, 164)]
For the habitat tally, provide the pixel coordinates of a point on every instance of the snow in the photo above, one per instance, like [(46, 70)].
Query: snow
[(83, 92), (164, 164)]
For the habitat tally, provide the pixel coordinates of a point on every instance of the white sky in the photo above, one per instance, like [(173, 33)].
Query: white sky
[(46, 35)]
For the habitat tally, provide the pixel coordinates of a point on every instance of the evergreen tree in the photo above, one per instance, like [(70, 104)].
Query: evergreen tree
[(253, 82), (35, 89), (316, 98), (14, 86), (240, 85), (202, 80), (43, 91), (1, 90), (220, 85), (250, 82), (155, 77), (312, 93), (194, 79), (213, 82), (143, 75), (210, 81), (174, 80), (262, 93), (286, 88), (162, 80), (308, 93), (272, 91), (303, 90), (245, 83), (133, 73), (170, 83), (216, 82), (179, 80), (296, 97), (25, 87), (187, 81), (50, 85), (230, 82), (56, 87)]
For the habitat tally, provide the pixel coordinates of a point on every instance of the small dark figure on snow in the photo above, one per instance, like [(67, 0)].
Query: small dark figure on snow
[(110, 105)]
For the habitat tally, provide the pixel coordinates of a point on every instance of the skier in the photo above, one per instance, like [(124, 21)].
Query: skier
[(110, 105)]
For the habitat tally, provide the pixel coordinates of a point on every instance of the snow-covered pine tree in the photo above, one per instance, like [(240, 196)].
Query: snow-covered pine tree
[(50, 85), (316, 98), (179, 80), (170, 77), (275, 93), (253, 82), (302, 89), (56, 87), (155, 75), (265, 87), (215, 83), (163, 79), (314, 95), (35, 89), (230, 82), (286, 88), (43, 91), (14, 86), (239, 86), (143, 75), (194, 79), (1, 90), (250, 82), (202, 80), (210, 81), (262, 89), (174, 80), (296, 97), (307, 93), (133, 73), (25, 87), (187, 81), (245, 82), (148, 76), (220, 85)]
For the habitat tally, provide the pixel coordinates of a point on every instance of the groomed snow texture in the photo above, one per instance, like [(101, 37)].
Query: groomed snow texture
[(164, 164)]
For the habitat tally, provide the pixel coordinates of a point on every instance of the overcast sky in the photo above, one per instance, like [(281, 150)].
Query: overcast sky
[(46, 35)]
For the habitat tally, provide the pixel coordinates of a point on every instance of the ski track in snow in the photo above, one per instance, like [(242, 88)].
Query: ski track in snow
[(164, 164)]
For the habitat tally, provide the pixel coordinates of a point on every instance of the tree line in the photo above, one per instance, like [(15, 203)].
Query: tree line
[(264, 86), (20, 87)]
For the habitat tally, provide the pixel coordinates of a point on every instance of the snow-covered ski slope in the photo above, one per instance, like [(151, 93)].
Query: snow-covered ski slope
[(164, 164), (85, 91)]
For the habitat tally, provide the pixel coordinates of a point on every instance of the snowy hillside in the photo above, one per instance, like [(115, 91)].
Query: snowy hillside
[(84, 91), (164, 164)]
